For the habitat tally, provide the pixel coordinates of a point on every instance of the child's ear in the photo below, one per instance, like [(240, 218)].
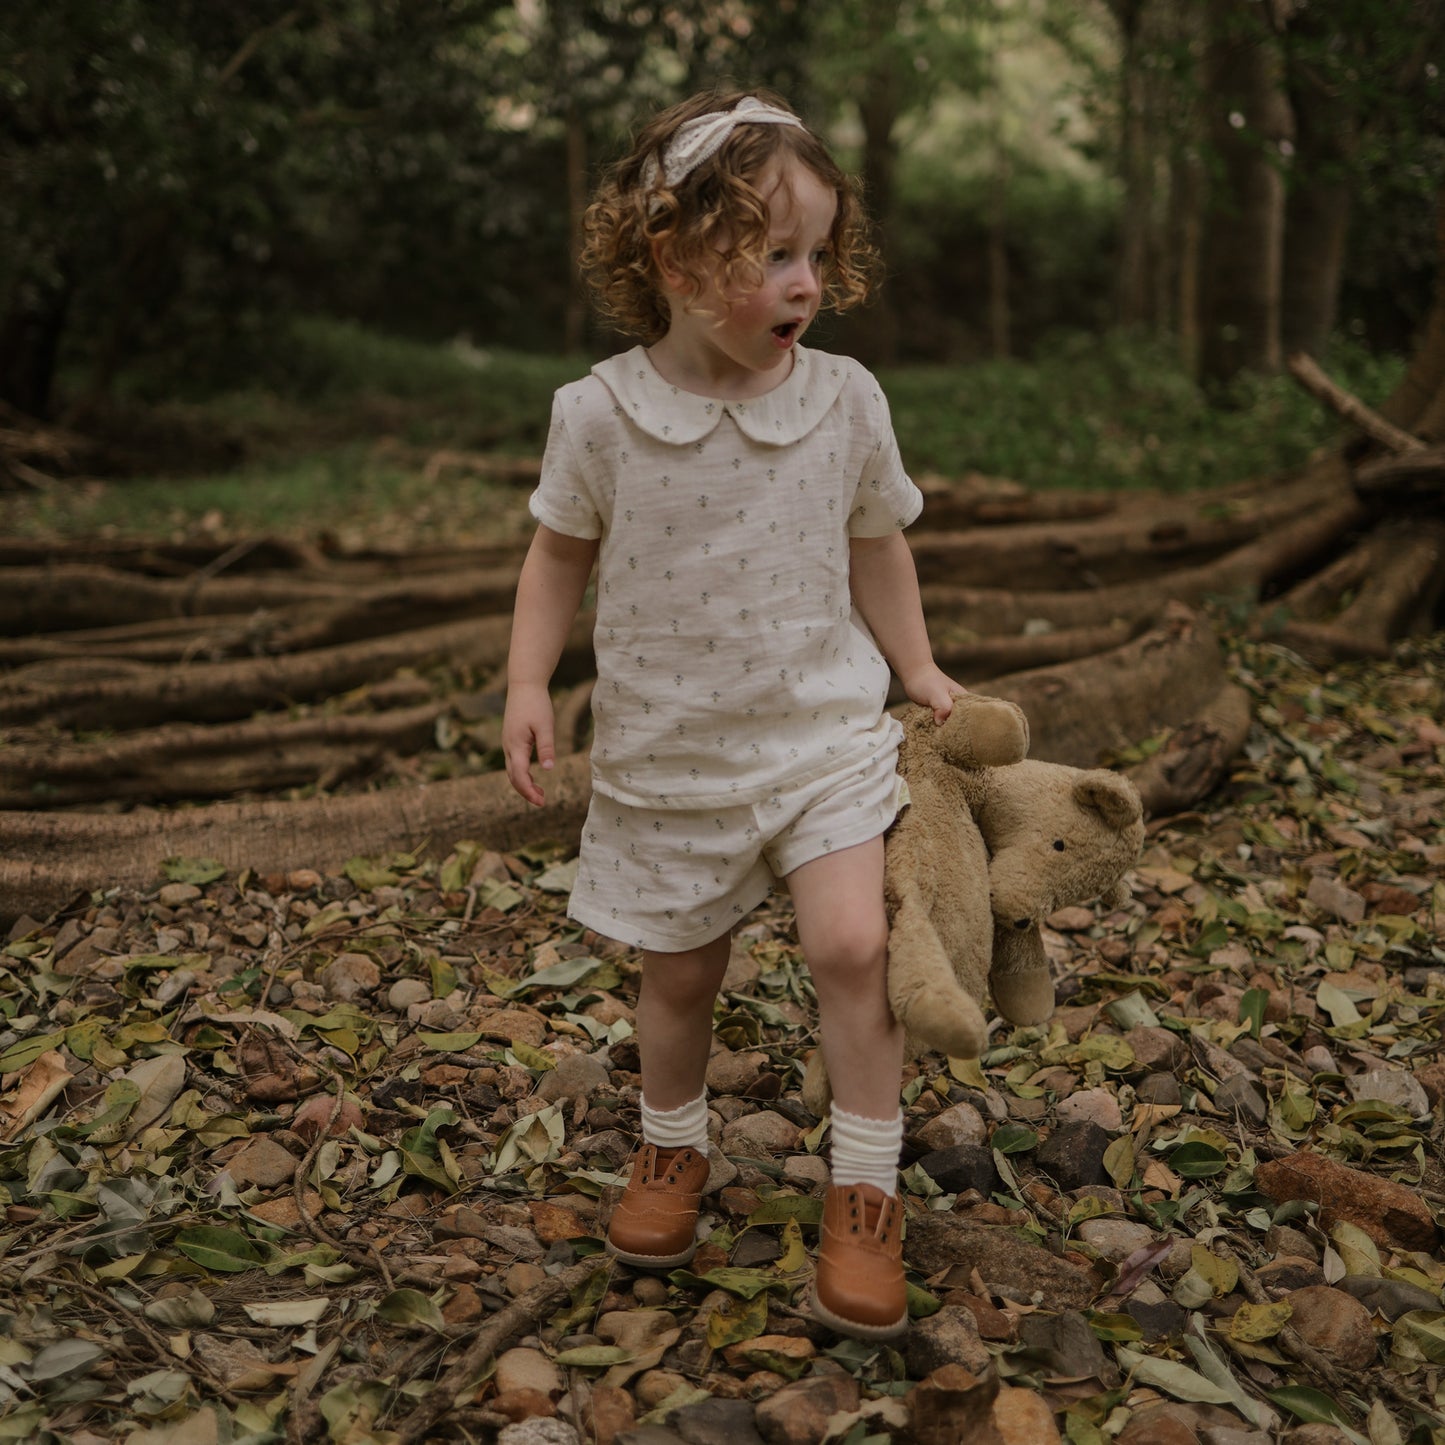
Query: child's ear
[(670, 275)]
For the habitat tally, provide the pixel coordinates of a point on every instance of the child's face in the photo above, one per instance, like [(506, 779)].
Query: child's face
[(740, 335)]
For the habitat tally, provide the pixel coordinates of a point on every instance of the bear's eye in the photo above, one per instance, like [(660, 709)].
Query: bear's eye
[(1058, 845)]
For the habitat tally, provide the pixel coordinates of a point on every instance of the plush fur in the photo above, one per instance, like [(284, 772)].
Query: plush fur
[(991, 843)]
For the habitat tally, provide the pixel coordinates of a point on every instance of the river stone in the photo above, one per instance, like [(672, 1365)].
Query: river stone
[(958, 1124), (961, 1168), (716, 1422), (1336, 1324), (540, 1431), (761, 1135), (264, 1163), (1073, 1155), (948, 1337)]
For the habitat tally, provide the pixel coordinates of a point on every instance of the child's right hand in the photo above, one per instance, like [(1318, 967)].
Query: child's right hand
[(527, 725)]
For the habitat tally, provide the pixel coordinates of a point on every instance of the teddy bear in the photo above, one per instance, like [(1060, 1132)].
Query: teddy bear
[(989, 844)]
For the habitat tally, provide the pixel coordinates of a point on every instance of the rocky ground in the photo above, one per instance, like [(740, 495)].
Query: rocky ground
[(329, 1157)]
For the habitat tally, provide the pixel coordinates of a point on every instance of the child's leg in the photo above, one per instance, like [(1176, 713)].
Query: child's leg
[(674, 1020), (843, 928), (655, 1223)]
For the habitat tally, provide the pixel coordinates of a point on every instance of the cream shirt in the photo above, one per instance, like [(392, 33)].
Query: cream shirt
[(730, 660)]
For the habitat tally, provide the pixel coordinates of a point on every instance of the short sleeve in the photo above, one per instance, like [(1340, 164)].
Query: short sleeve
[(562, 500), (886, 499)]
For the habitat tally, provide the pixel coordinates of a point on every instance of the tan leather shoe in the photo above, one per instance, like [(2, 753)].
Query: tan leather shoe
[(655, 1222), (859, 1289)]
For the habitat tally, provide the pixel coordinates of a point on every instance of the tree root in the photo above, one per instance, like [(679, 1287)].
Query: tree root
[(187, 761)]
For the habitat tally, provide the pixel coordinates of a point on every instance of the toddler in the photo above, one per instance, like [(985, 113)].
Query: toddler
[(743, 497)]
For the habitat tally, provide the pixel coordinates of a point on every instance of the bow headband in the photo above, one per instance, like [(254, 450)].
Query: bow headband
[(703, 136)]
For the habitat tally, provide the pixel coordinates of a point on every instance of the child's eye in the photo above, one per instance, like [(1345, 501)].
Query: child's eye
[(822, 256)]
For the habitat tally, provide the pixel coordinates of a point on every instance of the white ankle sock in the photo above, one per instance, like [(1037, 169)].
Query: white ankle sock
[(865, 1151), (681, 1128)]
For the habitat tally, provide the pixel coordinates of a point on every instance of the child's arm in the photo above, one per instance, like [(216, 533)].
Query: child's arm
[(549, 592), (884, 583)]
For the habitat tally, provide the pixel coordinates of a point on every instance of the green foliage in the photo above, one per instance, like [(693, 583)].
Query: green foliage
[(1112, 411), (1092, 412)]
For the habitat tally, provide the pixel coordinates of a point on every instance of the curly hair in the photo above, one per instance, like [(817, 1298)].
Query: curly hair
[(715, 217)]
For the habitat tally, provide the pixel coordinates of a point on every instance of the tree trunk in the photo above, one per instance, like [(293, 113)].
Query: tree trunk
[(1242, 249), (878, 109), (575, 316), (1133, 282), (1317, 210), (30, 335)]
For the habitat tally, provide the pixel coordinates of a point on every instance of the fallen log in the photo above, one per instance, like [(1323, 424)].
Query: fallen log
[(222, 691), (163, 559), (1085, 713), (47, 859), (1080, 713), (64, 598), (1123, 546), (165, 764), (1385, 588), (1412, 480)]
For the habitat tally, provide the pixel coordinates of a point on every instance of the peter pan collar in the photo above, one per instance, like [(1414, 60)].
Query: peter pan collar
[(780, 417)]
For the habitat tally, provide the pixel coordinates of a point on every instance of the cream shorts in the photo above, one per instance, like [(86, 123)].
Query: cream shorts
[(671, 879)]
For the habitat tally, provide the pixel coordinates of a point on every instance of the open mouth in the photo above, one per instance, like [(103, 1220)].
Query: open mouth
[(787, 331)]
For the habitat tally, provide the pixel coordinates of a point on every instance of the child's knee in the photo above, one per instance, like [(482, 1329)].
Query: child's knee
[(853, 950)]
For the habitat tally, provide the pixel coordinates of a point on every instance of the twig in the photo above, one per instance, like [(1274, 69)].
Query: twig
[(490, 1339), (1294, 1343), (372, 1255), (152, 1337)]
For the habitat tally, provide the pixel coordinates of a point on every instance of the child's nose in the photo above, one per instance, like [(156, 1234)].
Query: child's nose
[(805, 280)]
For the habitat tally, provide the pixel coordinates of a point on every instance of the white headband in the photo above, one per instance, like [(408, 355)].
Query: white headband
[(703, 137)]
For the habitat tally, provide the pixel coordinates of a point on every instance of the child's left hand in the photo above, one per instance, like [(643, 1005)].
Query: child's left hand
[(931, 687)]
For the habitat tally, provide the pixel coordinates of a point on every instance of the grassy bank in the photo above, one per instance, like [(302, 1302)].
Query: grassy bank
[(337, 437)]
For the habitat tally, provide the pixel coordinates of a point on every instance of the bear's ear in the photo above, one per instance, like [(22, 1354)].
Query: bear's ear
[(1113, 798)]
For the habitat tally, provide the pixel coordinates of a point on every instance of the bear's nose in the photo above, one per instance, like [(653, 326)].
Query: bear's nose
[(1021, 923)]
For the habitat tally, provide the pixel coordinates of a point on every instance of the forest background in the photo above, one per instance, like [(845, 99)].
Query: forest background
[(297, 1049), (179, 183)]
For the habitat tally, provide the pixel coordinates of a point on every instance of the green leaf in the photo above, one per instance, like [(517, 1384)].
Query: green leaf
[(1115, 1329), (221, 1250), (193, 870), (783, 1207), (411, 1307), (561, 974), (1251, 1009), (1338, 1004), (1119, 1161), (443, 977), (1174, 1379), (1197, 1161), (745, 1283), (594, 1357), (450, 1043), (1418, 1339), (1108, 1049), (734, 1321), (1014, 1139), (22, 1055), (1253, 1322), (368, 874), (1312, 1406), (532, 1058)]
